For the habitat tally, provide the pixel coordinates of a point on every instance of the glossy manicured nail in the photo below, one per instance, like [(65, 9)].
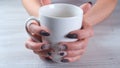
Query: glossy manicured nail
[(45, 46), (49, 53), (64, 60), (72, 36), (44, 33), (90, 2), (62, 47), (62, 53)]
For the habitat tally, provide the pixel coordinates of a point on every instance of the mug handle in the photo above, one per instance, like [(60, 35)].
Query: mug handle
[(28, 23)]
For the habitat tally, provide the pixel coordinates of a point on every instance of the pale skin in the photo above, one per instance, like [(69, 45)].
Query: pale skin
[(93, 14)]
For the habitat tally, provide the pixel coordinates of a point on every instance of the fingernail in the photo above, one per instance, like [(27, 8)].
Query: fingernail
[(72, 36), (44, 33), (82, 27), (62, 47), (90, 2), (49, 53), (45, 46), (64, 60), (48, 59), (62, 53)]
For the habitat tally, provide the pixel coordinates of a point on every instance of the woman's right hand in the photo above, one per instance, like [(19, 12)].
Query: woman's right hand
[(41, 48)]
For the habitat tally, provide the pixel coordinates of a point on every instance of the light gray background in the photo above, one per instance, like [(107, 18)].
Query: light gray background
[(103, 50)]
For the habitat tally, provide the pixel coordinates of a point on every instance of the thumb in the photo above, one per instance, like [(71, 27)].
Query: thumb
[(45, 2), (86, 6)]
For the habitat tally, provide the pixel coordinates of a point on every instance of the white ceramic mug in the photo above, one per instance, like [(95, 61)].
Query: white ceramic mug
[(60, 19)]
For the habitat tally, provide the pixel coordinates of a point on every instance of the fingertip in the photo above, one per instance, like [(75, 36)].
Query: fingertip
[(48, 59), (92, 33), (32, 24), (39, 30), (65, 60), (62, 53), (72, 36), (27, 44), (62, 47), (37, 46), (86, 6), (36, 52), (45, 47), (44, 33)]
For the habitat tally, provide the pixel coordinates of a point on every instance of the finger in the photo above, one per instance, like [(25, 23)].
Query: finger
[(81, 34), (36, 38), (45, 2), (70, 59), (77, 45), (71, 53), (41, 53), (39, 30), (48, 59), (30, 44), (86, 7), (45, 53), (43, 56)]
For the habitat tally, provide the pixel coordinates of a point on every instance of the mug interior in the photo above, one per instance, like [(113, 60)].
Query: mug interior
[(60, 10)]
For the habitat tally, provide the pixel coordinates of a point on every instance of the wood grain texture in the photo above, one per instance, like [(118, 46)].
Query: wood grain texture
[(103, 50)]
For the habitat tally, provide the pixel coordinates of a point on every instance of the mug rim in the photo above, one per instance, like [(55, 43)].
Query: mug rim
[(48, 16)]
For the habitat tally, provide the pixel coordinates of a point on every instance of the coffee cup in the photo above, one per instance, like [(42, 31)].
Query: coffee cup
[(60, 19)]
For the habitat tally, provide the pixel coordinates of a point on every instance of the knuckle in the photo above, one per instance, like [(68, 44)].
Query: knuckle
[(81, 52), (35, 52), (70, 53), (84, 46), (78, 58), (26, 44), (37, 44), (91, 32), (72, 59), (61, 43), (79, 46)]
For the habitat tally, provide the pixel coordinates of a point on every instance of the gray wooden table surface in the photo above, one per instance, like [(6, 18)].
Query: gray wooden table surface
[(103, 50)]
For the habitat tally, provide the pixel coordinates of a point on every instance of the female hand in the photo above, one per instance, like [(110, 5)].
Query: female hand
[(38, 32), (72, 51)]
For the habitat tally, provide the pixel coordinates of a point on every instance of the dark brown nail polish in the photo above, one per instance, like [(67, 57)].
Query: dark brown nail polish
[(62, 47), (44, 33), (64, 60), (72, 36), (45, 47), (49, 53), (90, 2), (61, 54)]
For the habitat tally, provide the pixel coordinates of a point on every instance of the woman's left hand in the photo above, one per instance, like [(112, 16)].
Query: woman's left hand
[(72, 51)]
